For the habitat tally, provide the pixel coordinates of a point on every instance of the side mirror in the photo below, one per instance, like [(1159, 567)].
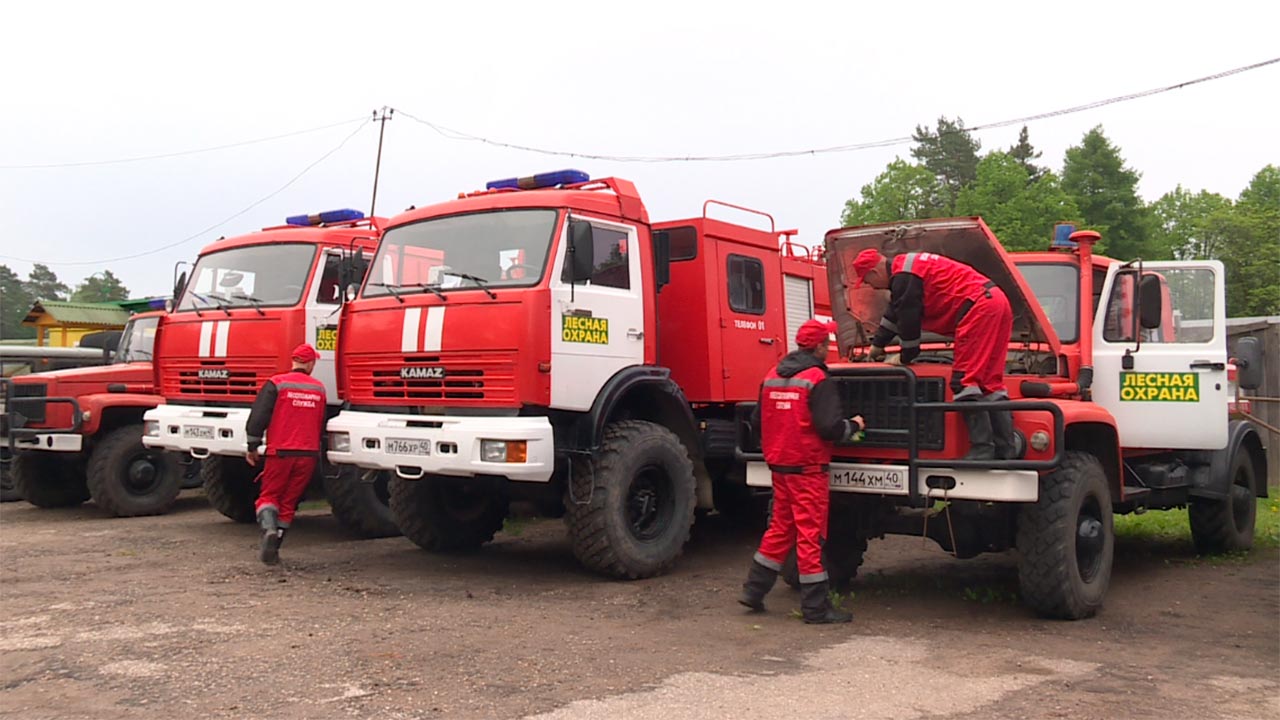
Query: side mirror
[(353, 289), (1248, 357), (581, 260), (1150, 302), (661, 258), (179, 285)]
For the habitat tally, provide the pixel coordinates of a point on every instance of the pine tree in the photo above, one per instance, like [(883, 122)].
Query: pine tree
[(1106, 192), (951, 154)]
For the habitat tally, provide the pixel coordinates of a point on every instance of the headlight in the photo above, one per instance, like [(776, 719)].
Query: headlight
[(504, 451), (86, 415), (340, 442), (1039, 441), (151, 428)]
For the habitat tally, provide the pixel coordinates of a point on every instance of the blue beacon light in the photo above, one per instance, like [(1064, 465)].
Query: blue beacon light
[(1062, 236), (322, 218), (541, 180)]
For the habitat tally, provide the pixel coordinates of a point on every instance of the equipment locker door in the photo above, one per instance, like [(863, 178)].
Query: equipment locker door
[(597, 327), (323, 301), (1173, 394)]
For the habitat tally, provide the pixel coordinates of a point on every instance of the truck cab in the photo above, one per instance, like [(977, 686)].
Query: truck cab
[(248, 302), (543, 340)]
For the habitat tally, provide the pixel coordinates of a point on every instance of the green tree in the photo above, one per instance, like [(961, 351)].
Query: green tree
[(951, 154), (1106, 193), (1189, 226), (43, 284), (1251, 250), (15, 301), (100, 287), (1026, 155), (902, 192), (1021, 211)]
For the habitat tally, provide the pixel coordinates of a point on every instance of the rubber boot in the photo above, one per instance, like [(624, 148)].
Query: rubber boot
[(1002, 435), (981, 445), (272, 536), (759, 582), (816, 607)]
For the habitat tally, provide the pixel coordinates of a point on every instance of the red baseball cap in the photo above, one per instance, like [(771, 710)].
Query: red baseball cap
[(304, 353), (814, 332), (866, 260)]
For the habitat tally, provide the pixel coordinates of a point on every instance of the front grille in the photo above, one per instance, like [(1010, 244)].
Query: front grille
[(32, 411), (468, 378), (213, 380), (882, 402)]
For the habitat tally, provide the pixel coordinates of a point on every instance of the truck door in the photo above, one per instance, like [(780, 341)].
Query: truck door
[(597, 326), (323, 302), (752, 323), (1171, 391)]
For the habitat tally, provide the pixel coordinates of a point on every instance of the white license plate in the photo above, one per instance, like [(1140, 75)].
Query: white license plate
[(884, 479), (199, 432), (402, 446)]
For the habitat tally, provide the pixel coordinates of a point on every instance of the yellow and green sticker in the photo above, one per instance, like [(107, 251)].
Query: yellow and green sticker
[(327, 337), (1159, 387), (582, 329)]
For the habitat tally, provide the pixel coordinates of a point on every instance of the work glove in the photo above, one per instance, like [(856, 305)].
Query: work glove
[(876, 354)]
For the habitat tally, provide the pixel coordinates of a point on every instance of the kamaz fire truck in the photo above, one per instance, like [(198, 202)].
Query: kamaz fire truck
[(76, 434), (248, 302), (1120, 387), (542, 340)]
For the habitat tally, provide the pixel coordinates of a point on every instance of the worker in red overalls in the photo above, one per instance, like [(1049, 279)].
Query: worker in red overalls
[(936, 294), (290, 412), (799, 416)]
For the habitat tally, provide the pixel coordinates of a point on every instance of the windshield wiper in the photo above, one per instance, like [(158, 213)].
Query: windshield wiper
[(479, 281), (255, 302), (391, 289), (431, 287), (218, 303)]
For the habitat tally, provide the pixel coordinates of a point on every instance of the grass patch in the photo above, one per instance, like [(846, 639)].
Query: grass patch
[(313, 505), (1174, 526)]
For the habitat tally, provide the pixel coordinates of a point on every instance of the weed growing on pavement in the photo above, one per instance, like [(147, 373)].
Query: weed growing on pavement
[(514, 526)]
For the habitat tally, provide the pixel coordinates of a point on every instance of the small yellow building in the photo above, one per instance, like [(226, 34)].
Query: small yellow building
[(62, 324)]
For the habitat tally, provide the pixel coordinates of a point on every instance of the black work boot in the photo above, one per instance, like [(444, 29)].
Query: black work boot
[(1005, 440), (272, 536), (759, 582), (981, 444), (816, 607)]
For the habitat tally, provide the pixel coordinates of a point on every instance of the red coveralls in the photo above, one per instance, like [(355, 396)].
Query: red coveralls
[(800, 461), (940, 295), (290, 408)]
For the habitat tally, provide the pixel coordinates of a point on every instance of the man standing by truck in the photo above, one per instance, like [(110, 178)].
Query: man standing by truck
[(800, 418), (936, 294), (290, 412)]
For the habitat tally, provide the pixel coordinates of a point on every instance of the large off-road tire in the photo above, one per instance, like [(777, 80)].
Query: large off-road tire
[(229, 485), (1066, 541), (441, 515), (361, 506), (49, 479), (630, 505), (127, 478), (842, 553), (8, 491), (1226, 524)]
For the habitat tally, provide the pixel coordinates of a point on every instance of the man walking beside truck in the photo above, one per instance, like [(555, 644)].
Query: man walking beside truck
[(290, 412), (800, 418)]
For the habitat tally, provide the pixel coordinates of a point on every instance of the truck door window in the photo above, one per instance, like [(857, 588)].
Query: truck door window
[(328, 292), (1187, 317), (684, 243), (746, 284), (611, 252)]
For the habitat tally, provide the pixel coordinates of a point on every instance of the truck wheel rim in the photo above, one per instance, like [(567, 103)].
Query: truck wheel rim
[(142, 476), (649, 501), (1090, 539)]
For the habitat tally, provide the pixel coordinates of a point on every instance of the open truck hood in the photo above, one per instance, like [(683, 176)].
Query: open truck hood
[(969, 240)]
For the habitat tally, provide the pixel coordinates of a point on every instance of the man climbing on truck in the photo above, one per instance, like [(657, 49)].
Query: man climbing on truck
[(937, 294)]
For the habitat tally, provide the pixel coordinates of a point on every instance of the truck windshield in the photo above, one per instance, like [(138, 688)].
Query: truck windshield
[(248, 276), (505, 248), (137, 341), (1057, 287)]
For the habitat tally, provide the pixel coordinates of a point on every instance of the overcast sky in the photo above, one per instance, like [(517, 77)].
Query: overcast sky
[(101, 81)]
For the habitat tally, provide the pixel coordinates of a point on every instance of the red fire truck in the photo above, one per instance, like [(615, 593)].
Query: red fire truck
[(542, 340), (248, 302), (76, 434), (1119, 379)]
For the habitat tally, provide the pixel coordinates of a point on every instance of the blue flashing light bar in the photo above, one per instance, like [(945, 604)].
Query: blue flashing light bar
[(323, 218), (541, 180), (157, 303), (1062, 235)]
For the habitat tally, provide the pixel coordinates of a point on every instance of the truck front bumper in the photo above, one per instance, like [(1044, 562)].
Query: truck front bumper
[(413, 446), (200, 431), (50, 442), (938, 483)]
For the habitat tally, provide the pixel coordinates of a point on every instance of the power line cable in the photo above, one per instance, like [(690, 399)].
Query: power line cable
[(453, 134), (212, 227), (196, 151)]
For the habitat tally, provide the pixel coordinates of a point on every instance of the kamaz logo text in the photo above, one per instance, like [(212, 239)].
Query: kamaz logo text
[(422, 372), (214, 374)]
